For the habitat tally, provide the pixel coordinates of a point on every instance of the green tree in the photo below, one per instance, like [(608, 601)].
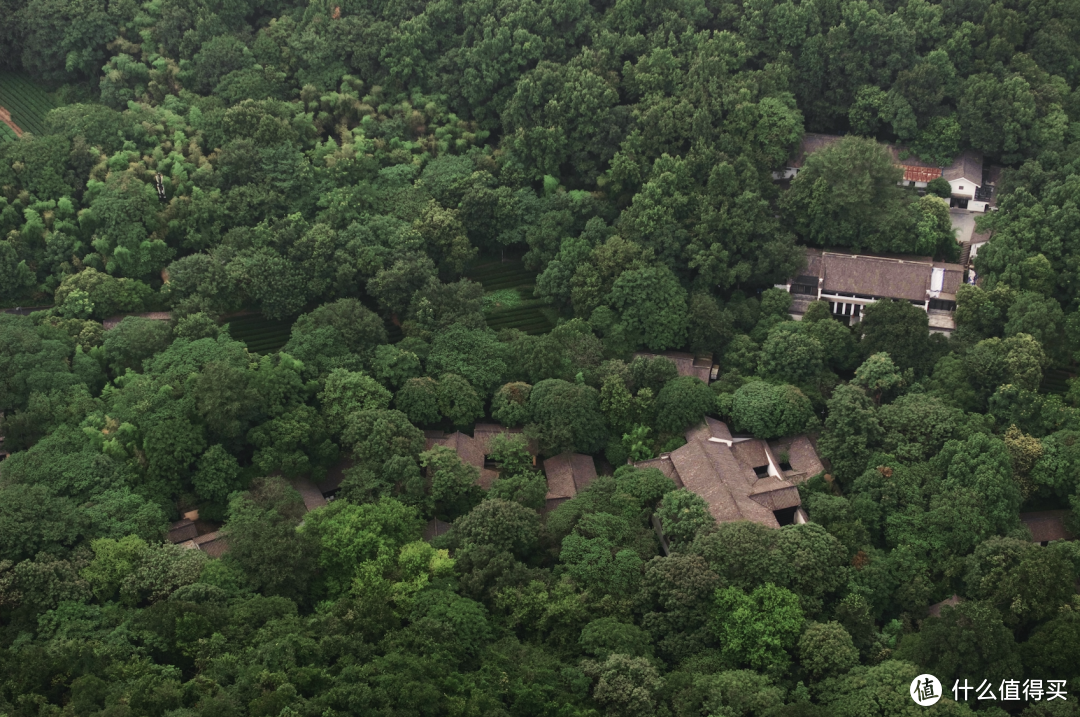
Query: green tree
[(1028, 583), (418, 399), (454, 484), (901, 330), (999, 116), (967, 638), (458, 400), (501, 524), (625, 685), (791, 355), (137, 572), (34, 520), (770, 411), (710, 328), (15, 276), (939, 187), (345, 392), (652, 302), (759, 629), (510, 405), (566, 417), (475, 355), (826, 650), (1041, 318), (683, 514), (353, 538), (917, 425), (882, 691), (607, 636), (394, 365), (133, 340), (263, 540), (683, 402), (217, 475), (878, 376), (846, 195), (375, 436)]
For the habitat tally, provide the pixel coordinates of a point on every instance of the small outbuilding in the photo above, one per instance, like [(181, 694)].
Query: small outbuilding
[(567, 473), (1046, 526)]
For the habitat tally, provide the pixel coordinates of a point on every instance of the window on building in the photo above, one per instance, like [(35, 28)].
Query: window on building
[(942, 305), (961, 186), (785, 466), (761, 471)]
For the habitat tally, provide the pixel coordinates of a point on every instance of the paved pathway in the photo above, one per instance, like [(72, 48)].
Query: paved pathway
[(963, 223)]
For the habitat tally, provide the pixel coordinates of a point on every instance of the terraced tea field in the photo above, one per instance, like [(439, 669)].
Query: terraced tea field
[(28, 104), (1055, 380), (509, 301), (262, 335)]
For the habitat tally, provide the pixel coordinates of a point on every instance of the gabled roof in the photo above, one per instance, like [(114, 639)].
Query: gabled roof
[(915, 169), (665, 466), (877, 276), (213, 544), (750, 453), (182, 530), (469, 450), (884, 277), (335, 475), (920, 174), (720, 469), (1047, 525), (802, 457), (686, 364), (711, 428), (568, 473), (935, 609), (969, 166), (484, 433), (434, 528), (113, 321), (312, 496), (812, 142)]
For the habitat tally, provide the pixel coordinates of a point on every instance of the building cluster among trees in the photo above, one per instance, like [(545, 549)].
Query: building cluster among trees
[(776, 444)]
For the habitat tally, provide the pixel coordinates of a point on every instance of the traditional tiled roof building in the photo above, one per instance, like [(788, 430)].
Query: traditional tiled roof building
[(850, 282), (742, 478)]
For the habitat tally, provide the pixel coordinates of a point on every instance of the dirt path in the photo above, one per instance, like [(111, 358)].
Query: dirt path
[(5, 117)]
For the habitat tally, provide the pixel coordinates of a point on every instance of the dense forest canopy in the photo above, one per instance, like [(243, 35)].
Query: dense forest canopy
[(347, 170)]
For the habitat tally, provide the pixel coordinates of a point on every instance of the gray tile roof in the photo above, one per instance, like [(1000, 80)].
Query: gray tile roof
[(802, 457), (1046, 525), (935, 609), (313, 497), (969, 166), (685, 363), (469, 450), (567, 473), (721, 470), (484, 433), (878, 276), (182, 530), (665, 466), (812, 142)]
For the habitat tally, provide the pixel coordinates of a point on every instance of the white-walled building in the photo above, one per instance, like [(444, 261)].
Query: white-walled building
[(850, 282), (964, 175)]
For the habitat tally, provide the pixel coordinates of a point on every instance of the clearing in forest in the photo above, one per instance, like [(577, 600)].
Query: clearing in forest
[(508, 297)]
